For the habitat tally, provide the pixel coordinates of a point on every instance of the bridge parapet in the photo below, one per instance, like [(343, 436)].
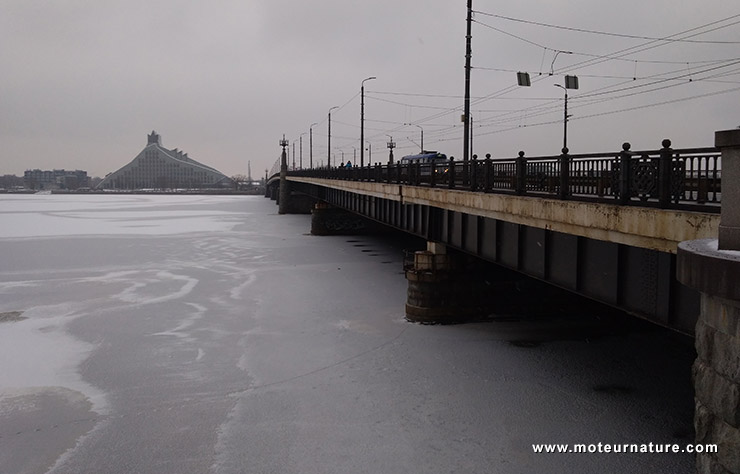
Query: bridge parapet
[(688, 179)]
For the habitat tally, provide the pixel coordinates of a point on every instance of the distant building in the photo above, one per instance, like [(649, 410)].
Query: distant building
[(55, 179), (11, 181), (156, 167)]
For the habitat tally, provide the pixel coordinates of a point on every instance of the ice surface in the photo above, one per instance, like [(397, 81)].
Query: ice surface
[(67, 215), (213, 335)]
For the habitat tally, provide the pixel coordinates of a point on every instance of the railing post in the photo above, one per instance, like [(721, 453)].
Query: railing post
[(487, 173), (564, 175), (521, 174), (474, 173), (625, 157), (664, 173), (451, 174), (433, 174)]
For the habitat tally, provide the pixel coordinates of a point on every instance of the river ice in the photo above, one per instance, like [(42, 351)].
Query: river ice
[(191, 334)]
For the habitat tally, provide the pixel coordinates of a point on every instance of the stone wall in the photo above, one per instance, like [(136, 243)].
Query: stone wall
[(717, 383), (716, 372)]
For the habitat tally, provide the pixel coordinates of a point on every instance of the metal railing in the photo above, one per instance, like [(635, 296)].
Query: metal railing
[(664, 178)]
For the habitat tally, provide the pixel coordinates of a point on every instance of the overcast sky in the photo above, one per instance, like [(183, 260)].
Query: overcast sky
[(84, 82)]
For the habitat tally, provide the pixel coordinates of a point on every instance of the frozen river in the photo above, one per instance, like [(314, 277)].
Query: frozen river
[(196, 334)]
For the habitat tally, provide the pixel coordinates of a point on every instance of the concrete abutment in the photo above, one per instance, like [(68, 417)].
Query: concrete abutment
[(712, 266), (716, 371)]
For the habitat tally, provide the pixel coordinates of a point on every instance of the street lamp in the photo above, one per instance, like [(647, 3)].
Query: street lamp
[(293, 155), (362, 119), (391, 146), (571, 82), (283, 156), (300, 159), (565, 118), (422, 134), (328, 144), (310, 144)]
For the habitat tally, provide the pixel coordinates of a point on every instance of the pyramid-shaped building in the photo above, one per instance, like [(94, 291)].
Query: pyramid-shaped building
[(156, 167)]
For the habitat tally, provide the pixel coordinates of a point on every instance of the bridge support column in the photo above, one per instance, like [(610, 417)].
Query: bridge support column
[(443, 288), (713, 267), (284, 196)]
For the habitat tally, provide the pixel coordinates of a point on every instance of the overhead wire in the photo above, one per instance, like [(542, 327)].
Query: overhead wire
[(605, 33), (634, 49), (592, 98)]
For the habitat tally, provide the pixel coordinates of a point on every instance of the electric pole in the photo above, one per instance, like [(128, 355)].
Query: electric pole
[(466, 113)]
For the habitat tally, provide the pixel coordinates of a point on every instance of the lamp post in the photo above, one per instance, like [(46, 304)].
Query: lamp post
[(300, 159), (466, 104), (362, 119), (565, 117), (293, 155), (310, 145), (354, 156), (391, 146), (283, 157), (422, 135), (571, 82), (328, 144)]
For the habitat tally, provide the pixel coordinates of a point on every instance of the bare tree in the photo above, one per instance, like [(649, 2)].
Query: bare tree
[(239, 180)]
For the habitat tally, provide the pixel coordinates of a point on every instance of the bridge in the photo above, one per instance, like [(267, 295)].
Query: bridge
[(606, 226), (651, 232)]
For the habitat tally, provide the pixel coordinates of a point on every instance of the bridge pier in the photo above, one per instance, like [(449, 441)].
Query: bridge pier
[(451, 288), (441, 290), (284, 187), (288, 201), (295, 203), (713, 267)]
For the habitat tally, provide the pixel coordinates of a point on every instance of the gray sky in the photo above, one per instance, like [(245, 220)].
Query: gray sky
[(84, 82)]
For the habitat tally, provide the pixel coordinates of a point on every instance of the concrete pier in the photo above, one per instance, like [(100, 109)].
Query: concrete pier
[(284, 189), (451, 288), (440, 291)]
